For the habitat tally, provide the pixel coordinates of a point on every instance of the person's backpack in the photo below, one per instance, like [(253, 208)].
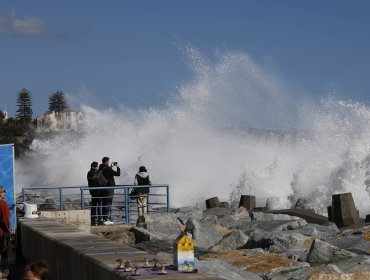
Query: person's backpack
[(133, 194), (102, 180)]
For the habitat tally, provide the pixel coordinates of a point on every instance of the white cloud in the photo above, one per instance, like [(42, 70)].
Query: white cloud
[(29, 25)]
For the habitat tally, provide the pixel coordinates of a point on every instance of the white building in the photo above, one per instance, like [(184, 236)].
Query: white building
[(65, 120)]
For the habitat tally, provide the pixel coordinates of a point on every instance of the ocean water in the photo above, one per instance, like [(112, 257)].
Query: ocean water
[(236, 128)]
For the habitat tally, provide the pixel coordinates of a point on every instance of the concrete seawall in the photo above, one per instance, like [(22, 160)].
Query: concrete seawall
[(68, 251), (74, 254)]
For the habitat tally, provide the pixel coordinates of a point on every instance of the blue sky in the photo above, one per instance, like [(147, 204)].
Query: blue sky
[(130, 52)]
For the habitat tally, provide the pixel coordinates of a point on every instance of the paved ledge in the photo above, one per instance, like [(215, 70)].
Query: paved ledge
[(74, 254)]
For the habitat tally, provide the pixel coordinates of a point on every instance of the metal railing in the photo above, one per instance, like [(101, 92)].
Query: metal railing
[(78, 197)]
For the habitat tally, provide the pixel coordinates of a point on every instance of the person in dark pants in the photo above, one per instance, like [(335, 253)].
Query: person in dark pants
[(107, 196), (5, 233), (93, 181)]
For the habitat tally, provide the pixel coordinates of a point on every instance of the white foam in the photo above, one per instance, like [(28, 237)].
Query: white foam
[(202, 145)]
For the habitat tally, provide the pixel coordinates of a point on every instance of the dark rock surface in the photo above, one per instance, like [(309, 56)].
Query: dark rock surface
[(286, 245)]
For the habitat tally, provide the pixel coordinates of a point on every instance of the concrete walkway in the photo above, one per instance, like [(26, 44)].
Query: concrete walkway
[(77, 255)]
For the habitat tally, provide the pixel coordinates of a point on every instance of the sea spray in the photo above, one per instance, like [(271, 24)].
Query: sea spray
[(236, 128)]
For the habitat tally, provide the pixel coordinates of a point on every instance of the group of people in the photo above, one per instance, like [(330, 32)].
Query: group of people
[(102, 175)]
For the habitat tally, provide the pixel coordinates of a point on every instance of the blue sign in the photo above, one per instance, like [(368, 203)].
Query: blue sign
[(7, 179)]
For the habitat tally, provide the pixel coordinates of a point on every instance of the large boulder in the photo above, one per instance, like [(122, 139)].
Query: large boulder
[(324, 253), (224, 270), (204, 234), (291, 244), (262, 216), (210, 219), (185, 213), (165, 223), (354, 240), (142, 235), (270, 226), (217, 211), (231, 241), (321, 232)]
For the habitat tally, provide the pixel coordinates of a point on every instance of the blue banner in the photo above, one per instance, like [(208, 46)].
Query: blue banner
[(7, 179)]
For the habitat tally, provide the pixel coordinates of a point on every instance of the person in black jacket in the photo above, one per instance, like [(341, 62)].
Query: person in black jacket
[(93, 181), (141, 179), (107, 196)]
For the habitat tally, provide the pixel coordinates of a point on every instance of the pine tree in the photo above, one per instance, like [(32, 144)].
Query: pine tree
[(24, 103), (57, 102)]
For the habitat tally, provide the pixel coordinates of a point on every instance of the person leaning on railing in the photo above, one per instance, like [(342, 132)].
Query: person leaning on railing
[(93, 181), (141, 179)]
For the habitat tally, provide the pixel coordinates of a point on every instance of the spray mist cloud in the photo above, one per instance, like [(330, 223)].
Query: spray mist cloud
[(235, 128)]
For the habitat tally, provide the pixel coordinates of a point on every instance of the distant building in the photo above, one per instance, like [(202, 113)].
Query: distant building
[(65, 120)]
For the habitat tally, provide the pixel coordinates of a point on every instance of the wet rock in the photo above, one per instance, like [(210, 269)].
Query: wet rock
[(225, 270), (142, 235), (224, 204), (210, 219), (354, 240), (165, 223), (231, 241), (287, 270), (235, 218), (293, 243), (354, 264), (217, 211), (271, 226), (337, 276), (204, 234), (319, 231), (324, 253), (185, 213), (261, 216)]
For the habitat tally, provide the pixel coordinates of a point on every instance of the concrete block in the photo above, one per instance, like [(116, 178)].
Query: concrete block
[(344, 210), (212, 202), (248, 202), (330, 213), (307, 214), (78, 218), (367, 219)]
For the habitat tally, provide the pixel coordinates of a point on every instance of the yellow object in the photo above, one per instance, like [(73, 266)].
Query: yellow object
[(184, 253)]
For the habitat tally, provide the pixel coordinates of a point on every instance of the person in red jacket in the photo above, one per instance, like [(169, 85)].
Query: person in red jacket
[(5, 232)]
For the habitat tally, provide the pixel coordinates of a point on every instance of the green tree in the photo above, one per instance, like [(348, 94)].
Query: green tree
[(24, 103), (57, 102)]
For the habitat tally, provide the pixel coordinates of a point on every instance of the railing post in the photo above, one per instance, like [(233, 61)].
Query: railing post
[(148, 201), (168, 198), (82, 200), (127, 217), (23, 195), (60, 199)]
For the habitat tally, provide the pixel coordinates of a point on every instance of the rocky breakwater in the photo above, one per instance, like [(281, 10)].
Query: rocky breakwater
[(242, 244)]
